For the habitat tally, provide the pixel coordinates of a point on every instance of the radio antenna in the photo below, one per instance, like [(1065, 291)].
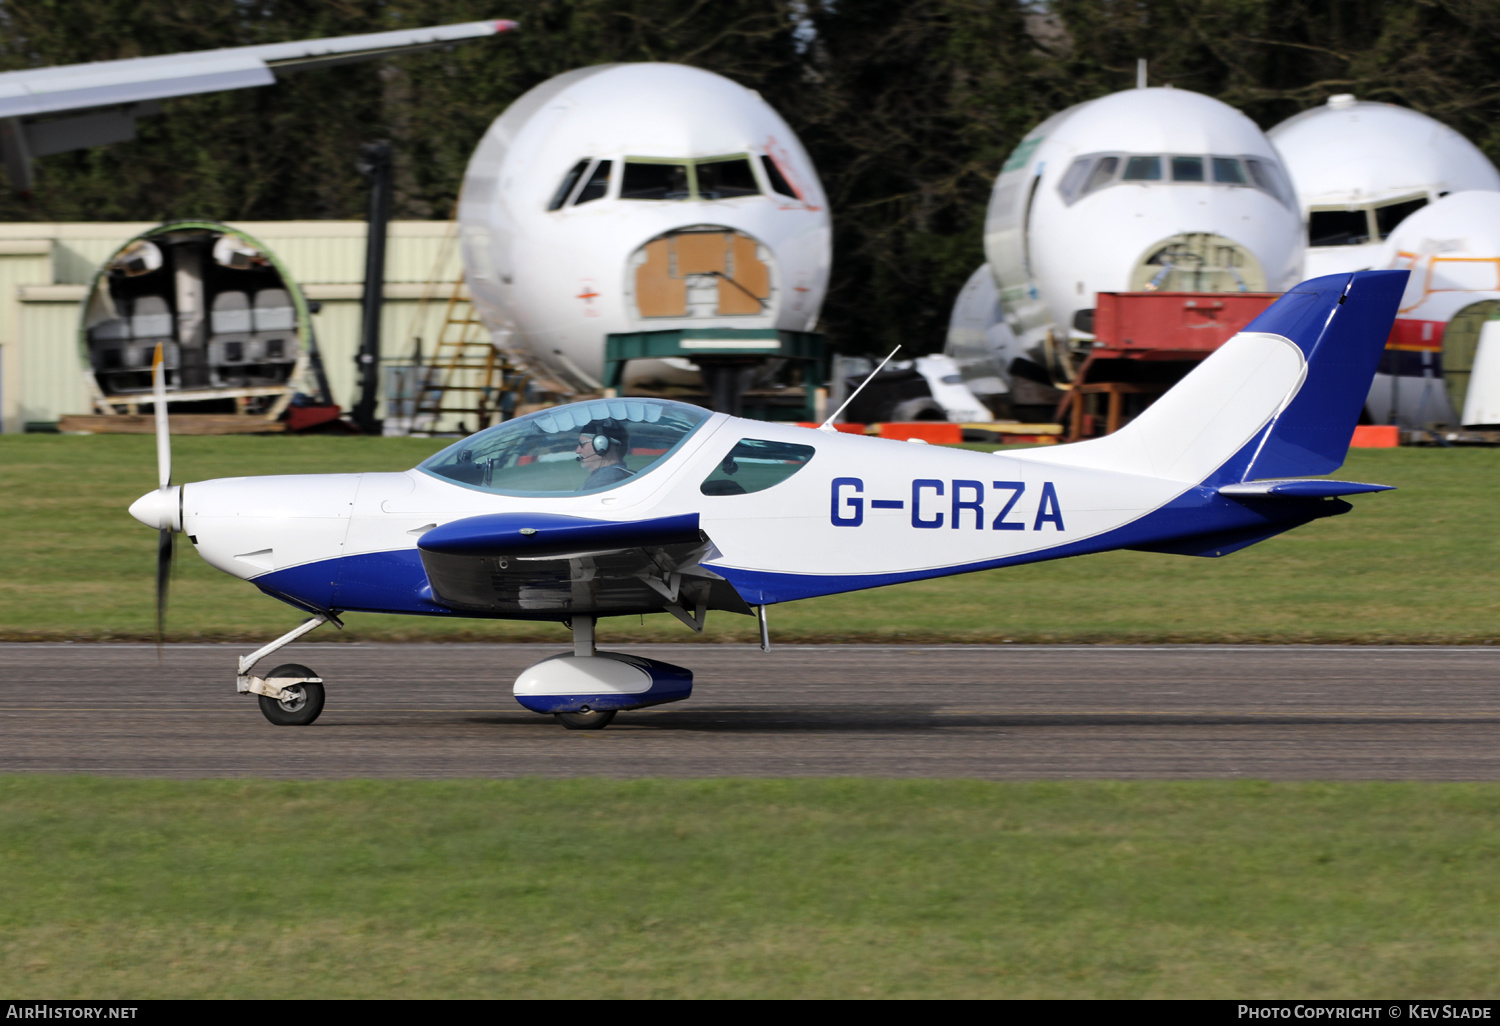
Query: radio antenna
[(827, 425)]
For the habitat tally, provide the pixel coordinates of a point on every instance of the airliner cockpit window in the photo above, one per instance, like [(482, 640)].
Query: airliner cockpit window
[(1229, 171), (1096, 171), (1392, 214), (1187, 169), (1338, 228), (569, 181), (723, 179), (1103, 172), (1268, 178), (1072, 182), (578, 449), (652, 181), (1344, 227), (778, 181), (754, 465), (597, 185)]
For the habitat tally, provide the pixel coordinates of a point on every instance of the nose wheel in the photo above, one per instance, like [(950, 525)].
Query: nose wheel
[(304, 701), (587, 719)]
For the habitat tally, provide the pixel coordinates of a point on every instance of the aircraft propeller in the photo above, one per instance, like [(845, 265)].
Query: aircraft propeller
[(166, 537), (162, 508)]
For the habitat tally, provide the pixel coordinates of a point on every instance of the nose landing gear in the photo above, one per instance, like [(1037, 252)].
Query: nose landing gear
[(291, 695)]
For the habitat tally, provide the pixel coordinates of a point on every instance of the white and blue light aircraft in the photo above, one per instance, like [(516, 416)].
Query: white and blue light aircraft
[(623, 506)]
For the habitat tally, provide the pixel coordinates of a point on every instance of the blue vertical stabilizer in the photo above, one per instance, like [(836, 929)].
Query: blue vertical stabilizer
[(1341, 323)]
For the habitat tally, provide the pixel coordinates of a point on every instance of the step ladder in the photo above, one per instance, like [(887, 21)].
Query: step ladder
[(466, 375)]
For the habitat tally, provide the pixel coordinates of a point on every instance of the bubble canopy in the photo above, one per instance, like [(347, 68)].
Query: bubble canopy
[(578, 449)]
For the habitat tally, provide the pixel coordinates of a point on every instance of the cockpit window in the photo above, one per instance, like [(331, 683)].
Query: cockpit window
[(776, 179), (1267, 176), (578, 449), (1072, 182), (1187, 169), (1143, 169), (655, 181), (754, 465), (597, 185), (1103, 172), (569, 181), (721, 179), (1229, 171), (711, 178), (1354, 227), (1095, 171), (1392, 214), (1338, 227)]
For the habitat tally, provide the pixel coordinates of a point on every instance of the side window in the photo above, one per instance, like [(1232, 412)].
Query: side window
[(1392, 214), (1102, 174), (1228, 171), (569, 180), (1072, 181), (754, 465), (597, 185), (776, 179), (1268, 178)]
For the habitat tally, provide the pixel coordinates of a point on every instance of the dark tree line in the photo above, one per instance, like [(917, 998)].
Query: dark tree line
[(908, 106)]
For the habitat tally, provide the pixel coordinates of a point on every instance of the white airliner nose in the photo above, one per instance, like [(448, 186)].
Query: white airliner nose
[(160, 508)]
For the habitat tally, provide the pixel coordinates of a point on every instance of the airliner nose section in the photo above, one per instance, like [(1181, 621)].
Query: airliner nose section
[(160, 508)]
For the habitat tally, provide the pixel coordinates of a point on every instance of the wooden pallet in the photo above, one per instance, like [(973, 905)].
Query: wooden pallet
[(181, 424)]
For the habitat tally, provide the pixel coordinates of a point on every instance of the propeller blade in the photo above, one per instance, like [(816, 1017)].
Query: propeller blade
[(166, 545), (163, 434)]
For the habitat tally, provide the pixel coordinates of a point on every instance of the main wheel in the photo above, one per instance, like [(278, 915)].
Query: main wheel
[(588, 719), (304, 705)]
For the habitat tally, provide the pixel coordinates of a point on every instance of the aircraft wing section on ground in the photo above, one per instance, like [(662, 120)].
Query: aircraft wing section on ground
[(530, 563), (118, 92)]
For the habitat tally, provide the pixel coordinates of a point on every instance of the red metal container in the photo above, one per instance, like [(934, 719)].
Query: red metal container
[(1173, 325)]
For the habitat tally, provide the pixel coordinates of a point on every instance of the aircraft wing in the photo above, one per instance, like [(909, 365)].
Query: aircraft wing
[(118, 92), (510, 563)]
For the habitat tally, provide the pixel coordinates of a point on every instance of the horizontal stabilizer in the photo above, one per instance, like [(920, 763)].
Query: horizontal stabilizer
[(1299, 489)]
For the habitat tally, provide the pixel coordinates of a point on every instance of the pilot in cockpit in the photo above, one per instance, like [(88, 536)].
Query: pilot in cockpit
[(602, 445)]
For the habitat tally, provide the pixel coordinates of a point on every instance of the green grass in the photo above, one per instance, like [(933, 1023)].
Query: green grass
[(1413, 566), (822, 888)]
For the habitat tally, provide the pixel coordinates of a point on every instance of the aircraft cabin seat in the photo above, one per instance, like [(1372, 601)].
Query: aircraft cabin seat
[(229, 340), (109, 341), (150, 323), (276, 326)]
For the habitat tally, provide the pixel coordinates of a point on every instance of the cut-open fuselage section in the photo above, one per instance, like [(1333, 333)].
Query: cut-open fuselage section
[(223, 312)]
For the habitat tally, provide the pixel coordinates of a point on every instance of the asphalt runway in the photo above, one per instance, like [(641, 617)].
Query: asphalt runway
[(995, 712)]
